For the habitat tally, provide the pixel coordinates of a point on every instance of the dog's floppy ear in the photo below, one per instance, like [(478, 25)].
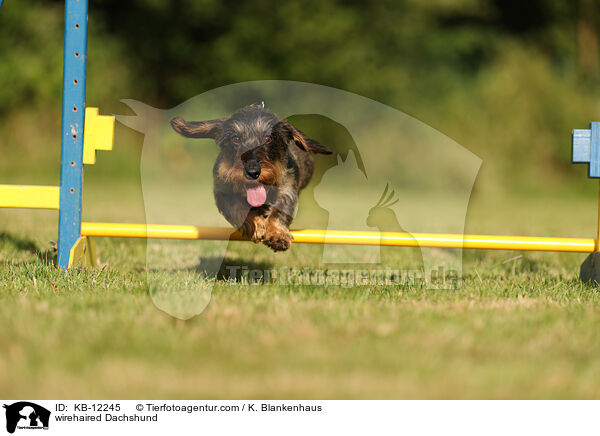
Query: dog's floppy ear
[(197, 129), (293, 135)]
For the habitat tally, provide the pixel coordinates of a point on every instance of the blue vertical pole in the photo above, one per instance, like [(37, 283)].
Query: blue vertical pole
[(73, 110), (595, 149)]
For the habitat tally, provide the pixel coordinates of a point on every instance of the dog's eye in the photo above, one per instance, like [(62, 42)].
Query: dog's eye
[(267, 139), (235, 139)]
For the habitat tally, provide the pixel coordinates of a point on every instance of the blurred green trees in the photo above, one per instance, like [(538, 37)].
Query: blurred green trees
[(505, 78)]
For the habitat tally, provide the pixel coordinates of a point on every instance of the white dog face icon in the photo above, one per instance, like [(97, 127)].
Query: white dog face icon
[(28, 417)]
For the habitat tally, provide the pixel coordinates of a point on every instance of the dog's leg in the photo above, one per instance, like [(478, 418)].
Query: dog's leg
[(251, 222), (255, 225), (277, 233)]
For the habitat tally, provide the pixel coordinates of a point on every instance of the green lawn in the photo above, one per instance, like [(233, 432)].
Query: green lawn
[(520, 326)]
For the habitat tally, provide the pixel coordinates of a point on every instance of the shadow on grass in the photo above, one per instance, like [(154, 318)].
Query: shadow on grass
[(222, 269), (228, 268), (46, 257)]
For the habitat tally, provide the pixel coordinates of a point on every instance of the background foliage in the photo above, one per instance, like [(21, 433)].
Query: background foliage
[(506, 79)]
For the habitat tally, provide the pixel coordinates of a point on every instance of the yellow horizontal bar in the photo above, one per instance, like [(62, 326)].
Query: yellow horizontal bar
[(33, 197), (158, 231), (528, 243)]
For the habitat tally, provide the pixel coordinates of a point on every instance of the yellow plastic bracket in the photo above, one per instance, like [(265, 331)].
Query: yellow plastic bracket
[(83, 253), (99, 134), (34, 197)]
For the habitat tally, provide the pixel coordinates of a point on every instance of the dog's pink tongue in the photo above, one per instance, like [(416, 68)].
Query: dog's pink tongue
[(256, 196)]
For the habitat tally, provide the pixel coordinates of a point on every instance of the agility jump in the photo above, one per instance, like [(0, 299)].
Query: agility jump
[(84, 131)]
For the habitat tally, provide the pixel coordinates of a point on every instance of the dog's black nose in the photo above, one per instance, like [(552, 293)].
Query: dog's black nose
[(252, 171)]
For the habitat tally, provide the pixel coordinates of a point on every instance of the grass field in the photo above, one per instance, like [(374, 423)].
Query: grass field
[(520, 326)]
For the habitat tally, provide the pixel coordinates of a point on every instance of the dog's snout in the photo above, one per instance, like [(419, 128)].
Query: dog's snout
[(252, 170)]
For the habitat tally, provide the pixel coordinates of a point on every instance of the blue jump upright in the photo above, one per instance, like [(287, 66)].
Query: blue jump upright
[(73, 119), (586, 148)]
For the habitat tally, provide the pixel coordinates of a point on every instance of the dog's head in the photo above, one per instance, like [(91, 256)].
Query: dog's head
[(254, 145)]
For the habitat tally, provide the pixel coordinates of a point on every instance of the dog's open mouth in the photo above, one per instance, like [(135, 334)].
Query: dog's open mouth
[(256, 195)]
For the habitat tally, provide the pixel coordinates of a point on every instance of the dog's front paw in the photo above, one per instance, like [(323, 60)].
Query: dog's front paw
[(277, 236), (279, 242)]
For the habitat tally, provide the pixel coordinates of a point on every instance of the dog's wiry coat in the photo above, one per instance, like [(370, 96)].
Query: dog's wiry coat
[(263, 160)]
